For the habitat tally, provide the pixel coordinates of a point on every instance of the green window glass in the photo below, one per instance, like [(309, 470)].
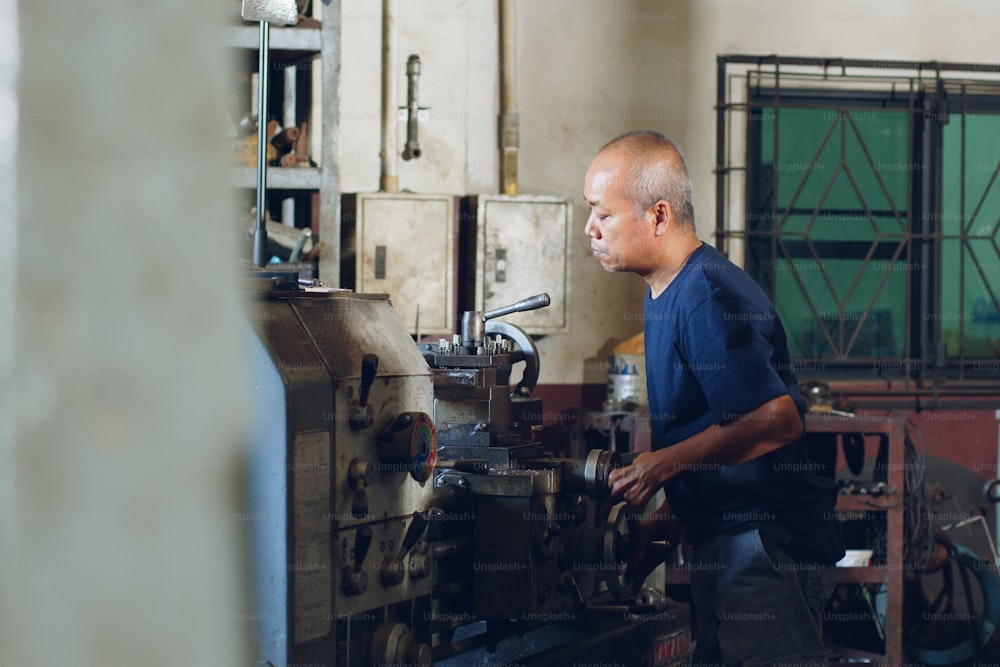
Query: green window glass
[(864, 197)]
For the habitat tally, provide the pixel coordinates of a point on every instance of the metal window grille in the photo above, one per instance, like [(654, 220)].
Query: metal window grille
[(864, 197)]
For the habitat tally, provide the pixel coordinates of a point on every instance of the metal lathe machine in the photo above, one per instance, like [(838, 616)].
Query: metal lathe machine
[(402, 514)]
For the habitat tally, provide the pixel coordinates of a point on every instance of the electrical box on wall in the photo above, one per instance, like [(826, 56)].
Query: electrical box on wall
[(518, 244), (404, 245)]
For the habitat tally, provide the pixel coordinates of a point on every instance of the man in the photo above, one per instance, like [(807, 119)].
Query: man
[(727, 420)]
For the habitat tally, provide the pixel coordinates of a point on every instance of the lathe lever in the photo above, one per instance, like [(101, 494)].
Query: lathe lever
[(413, 533), (361, 415), (369, 367), (392, 569), (531, 303), (356, 579), (362, 541), (359, 474)]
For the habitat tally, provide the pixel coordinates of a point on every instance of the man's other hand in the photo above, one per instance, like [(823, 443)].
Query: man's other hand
[(637, 483)]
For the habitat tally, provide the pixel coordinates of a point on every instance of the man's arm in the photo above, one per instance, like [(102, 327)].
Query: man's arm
[(764, 429)]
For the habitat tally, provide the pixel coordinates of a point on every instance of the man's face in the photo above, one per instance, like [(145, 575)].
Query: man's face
[(617, 236)]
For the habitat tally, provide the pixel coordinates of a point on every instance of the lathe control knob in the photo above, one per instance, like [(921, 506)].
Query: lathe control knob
[(420, 565), (359, 473), (355, 583), (393, 572), (410, 445), (393, 645)]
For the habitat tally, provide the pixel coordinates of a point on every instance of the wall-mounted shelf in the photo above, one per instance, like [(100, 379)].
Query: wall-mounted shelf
[(316, 46), (281, 39), (278, 178)]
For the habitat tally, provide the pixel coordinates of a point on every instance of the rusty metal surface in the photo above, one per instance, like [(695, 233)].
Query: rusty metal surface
[(892, 572), (290, 471), (507, 268), (386, 538), (417, 235), (346, 327), (357, 526), (514, 483), (312, 347)]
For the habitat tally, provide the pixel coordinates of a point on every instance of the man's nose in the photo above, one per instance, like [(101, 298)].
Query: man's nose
[(590, 229)]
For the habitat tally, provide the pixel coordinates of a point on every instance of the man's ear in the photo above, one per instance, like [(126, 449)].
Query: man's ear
[(663, 217)]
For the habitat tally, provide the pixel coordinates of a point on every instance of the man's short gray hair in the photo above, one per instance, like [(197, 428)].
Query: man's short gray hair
[(658, 172)]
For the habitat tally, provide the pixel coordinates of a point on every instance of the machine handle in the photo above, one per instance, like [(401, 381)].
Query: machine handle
[(362, 540), (531, 303), (528, 353), (413, 534), (369, 367)]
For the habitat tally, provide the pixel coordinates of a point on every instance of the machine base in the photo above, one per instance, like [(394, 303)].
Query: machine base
[(658, 640)]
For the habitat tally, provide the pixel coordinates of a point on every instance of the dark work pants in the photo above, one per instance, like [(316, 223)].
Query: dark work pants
[(755, 605)]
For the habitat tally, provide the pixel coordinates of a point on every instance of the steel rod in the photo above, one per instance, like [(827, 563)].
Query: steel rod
[(260, 232)]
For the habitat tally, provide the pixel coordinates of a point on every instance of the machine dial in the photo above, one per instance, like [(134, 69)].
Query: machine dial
[(410, 445)]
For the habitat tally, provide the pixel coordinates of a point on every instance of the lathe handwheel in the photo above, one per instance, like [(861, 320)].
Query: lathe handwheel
[(619, 551), (527, 353)]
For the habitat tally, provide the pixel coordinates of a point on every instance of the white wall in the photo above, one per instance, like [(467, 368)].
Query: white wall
[(588, 70), (592, 69), (920, 30), (457, 44)]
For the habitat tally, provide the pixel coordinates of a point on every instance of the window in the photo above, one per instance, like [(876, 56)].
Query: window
[(864, 197)]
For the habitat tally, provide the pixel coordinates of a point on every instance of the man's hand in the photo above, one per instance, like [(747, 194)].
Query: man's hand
[(760, 431), (637, 483)]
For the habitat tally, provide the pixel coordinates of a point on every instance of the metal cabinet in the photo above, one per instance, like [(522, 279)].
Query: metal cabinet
[(404, 245), (519, 246)]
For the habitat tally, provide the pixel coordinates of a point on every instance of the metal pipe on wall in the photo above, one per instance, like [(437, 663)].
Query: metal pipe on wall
[(389, 180), (509, 123), (412, 149)]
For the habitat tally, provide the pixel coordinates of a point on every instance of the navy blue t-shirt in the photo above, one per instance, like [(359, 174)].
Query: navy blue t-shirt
[(715, 350)]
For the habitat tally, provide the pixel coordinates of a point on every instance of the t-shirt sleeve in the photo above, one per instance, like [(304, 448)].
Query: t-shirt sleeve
[(728, 348)]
